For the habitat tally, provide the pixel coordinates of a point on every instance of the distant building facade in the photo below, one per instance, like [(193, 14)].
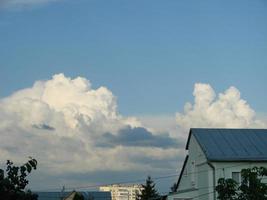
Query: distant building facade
[(122, 192)]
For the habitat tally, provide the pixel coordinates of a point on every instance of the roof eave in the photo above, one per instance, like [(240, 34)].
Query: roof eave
[(182, 171), (188, 139), (237, 160)]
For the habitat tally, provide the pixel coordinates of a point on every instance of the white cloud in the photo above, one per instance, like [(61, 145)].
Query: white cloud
[(66, 103), (23, 3), (227, 110), (60, 123), (72, 128)]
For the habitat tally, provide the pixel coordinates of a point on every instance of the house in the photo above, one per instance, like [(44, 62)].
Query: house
[(71, 196), (218, 153), (91, 195)]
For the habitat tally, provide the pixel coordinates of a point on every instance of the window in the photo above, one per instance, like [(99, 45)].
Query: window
[(236, 177)]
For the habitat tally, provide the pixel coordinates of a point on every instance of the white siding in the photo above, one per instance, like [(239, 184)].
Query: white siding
[(197, 181), (197, 177)]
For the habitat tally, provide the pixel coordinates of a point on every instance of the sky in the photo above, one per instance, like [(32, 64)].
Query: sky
[(106, 91)]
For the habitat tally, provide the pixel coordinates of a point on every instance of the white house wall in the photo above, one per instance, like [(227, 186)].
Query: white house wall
[(197, 177), (197, 183)]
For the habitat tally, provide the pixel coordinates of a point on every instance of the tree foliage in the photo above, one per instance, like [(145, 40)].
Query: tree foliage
[(78, 196), (227, 189), (148, 191), (251, 187), (12, 185)]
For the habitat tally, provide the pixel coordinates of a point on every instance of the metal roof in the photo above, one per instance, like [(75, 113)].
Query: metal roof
[(90, 195), (231, 144)]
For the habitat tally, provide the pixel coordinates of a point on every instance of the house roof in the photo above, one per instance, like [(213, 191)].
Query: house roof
[(231, 144), (95, 195), (52, 195), (70, 196)]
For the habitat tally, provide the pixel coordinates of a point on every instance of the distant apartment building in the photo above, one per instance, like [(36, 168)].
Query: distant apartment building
[(122, 192)]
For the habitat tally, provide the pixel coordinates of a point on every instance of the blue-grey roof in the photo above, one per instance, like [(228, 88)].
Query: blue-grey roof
[(51, 195), (231, 144), (91, 195)]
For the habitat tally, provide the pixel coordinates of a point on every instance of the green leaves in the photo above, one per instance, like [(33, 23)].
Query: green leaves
[(12, 186), (28, 167), (78, 196), (251, 187), (149, 191), (227, 189), (33, 163)]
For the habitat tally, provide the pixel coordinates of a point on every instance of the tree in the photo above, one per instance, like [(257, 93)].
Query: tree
[(78, 196), (148, 191), (227, 189), (12, 187), (251, 187)]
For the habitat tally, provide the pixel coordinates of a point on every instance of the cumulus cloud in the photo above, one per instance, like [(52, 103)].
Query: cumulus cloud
[(226, 110), (70, 127)]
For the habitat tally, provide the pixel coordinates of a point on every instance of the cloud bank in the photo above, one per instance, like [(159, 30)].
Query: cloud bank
[(75, 130), (226, 110), (69, 127)]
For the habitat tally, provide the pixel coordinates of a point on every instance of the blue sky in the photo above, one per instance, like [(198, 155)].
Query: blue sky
[(149, 53)]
